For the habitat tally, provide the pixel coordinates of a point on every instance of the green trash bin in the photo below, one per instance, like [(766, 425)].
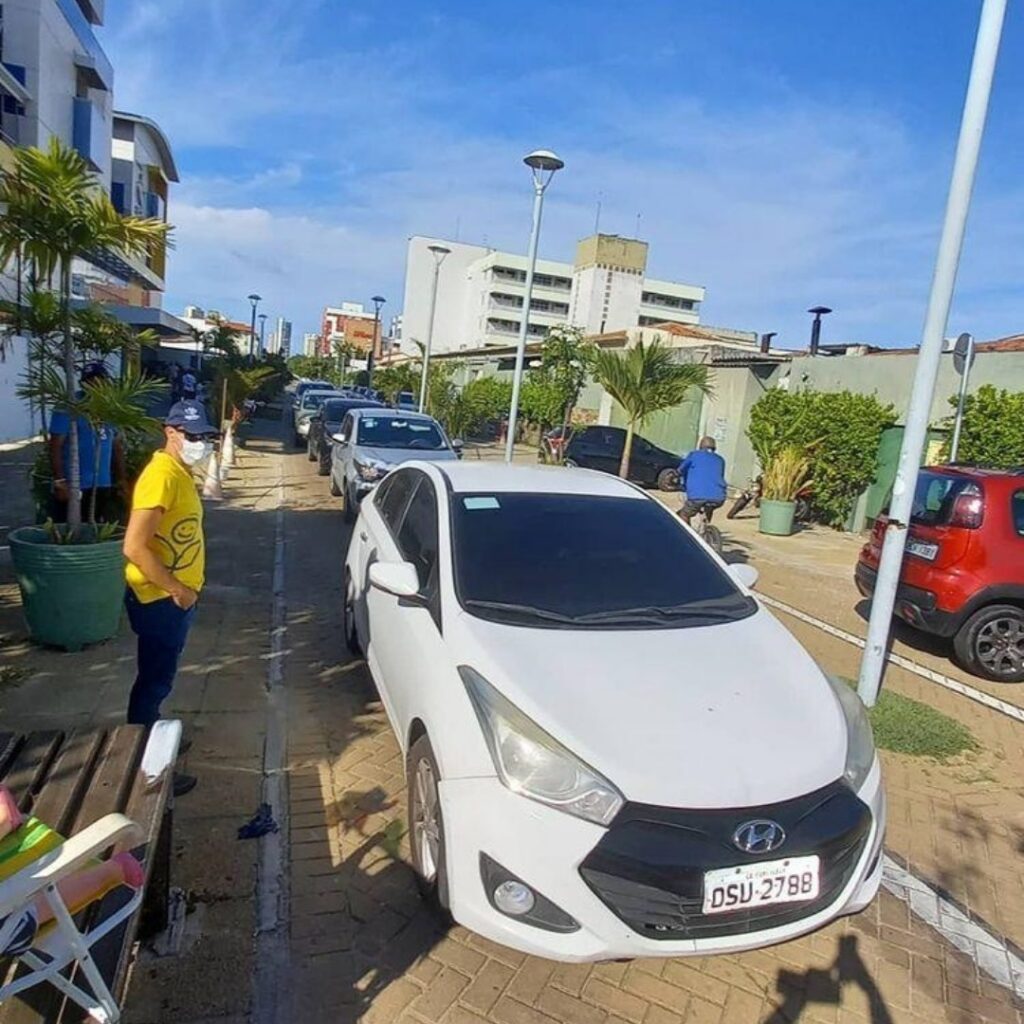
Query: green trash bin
[(777, 517), (71, 594)]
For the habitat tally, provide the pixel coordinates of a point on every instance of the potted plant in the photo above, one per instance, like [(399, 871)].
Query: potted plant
[(784, 475), (70, 575)]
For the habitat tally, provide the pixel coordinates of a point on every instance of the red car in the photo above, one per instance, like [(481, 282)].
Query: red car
[(963, 572)]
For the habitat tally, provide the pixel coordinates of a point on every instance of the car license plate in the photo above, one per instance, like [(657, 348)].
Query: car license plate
[(760, 885), (923, 549)]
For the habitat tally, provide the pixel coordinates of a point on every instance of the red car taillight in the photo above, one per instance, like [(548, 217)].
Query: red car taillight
[(968, 508)]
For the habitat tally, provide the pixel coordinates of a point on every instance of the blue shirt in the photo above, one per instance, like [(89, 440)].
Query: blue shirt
[(60, 426), (702, 476)]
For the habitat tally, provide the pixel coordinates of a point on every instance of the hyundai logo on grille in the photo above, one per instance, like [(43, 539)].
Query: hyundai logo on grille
[(759, 836)]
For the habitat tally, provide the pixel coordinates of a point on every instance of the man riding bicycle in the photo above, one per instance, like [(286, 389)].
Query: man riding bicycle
[(702, 478)]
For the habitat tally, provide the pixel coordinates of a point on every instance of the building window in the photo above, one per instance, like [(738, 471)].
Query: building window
[(668, 301)]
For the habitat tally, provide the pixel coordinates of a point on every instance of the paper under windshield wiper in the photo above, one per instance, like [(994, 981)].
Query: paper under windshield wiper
[(520, 609)]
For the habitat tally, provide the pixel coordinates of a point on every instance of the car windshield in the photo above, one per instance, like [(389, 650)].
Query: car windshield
[(334, 409), (585, 562), (312, 399), (934, 498), (395, 432)]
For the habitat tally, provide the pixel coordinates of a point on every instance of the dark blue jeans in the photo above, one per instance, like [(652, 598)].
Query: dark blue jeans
[(162, 628)]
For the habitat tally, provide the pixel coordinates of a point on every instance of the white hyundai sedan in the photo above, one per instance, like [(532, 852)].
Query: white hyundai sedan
[(612, 750)]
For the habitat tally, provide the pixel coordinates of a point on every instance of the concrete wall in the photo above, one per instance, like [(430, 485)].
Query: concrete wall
[(16, 420), (890, 377)]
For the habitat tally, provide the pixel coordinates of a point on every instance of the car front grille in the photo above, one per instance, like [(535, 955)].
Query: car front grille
[(648, 869)]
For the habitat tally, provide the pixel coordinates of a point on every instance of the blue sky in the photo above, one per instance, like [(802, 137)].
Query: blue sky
[(783, 153)]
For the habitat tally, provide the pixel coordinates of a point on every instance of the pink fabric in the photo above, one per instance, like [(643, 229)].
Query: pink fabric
[(10, 816)]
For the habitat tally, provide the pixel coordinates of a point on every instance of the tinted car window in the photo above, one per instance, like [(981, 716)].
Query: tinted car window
[(417, 538), (392, 500), (312, 400), (346, 428), (582, 561), (1017, 508), (334, 409), (934, 498), (395, 432)]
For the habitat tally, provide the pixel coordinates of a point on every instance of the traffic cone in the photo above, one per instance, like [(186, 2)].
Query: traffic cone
[(211, 485)]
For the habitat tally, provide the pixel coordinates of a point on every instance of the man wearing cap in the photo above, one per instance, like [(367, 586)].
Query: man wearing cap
[(166, 555), (106, 478), (702, 478)]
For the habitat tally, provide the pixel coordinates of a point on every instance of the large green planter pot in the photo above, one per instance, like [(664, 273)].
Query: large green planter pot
[(72, 594), (777, 517)]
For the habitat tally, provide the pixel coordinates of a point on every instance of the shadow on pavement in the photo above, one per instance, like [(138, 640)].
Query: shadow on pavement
[(817, 986)]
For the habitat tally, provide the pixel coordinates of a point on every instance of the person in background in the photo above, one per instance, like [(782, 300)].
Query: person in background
[(107, 478), (166, 553), (188, 384), (175, 376), (702, 478)]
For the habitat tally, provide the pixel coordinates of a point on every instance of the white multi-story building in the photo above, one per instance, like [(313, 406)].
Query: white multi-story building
[(481, 291), (309, 344), (281, 339)]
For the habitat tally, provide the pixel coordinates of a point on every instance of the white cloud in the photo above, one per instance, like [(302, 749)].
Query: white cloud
[(337, 154)]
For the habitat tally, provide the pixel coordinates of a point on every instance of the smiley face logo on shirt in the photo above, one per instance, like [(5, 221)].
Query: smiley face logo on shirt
[(184, 543)]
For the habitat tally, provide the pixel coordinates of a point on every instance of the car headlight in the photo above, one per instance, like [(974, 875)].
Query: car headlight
[(860, 742), (531, 762), (370, 471)]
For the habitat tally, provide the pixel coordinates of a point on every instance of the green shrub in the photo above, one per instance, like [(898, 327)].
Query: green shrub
[(993, 428), (840, 432)]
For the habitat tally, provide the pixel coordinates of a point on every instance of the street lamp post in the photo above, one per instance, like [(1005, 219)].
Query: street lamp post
[(255, 300), (378, 301), (438, 252), (543, 164), (819, 312), (915, 432), (263, 328)]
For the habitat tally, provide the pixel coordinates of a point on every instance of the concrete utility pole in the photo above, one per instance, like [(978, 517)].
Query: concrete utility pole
[(540, 162), (972, 127)]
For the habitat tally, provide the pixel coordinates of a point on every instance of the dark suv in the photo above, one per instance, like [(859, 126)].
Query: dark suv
[(601, 448), (326, 422), (963, 572)]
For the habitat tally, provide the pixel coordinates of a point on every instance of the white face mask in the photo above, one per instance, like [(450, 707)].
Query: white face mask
[(193, 452)]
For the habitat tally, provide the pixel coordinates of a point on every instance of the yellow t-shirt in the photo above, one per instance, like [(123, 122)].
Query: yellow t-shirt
[(165, 483)]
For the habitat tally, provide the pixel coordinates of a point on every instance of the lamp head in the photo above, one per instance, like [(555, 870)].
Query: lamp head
[(819, 310), (543, 160)]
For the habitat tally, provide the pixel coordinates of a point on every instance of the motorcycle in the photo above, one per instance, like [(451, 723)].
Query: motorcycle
[(804, 499)]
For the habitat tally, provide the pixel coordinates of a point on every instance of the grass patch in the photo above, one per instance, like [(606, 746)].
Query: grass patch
[(907, 726)]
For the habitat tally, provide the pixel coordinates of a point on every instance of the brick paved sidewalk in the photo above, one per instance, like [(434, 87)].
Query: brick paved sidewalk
[(360, 945)]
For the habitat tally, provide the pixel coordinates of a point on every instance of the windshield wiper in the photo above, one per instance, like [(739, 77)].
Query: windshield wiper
[(709, 608), (521, 609)]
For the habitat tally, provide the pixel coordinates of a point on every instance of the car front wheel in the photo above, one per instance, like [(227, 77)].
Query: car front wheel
[(310, 451), (668, 480), (350, 507), (335, 489), (348, 623), (990, 643), (426, 825)]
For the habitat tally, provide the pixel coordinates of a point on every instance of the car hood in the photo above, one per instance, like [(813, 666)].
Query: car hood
[(734, 715), (393, 456)]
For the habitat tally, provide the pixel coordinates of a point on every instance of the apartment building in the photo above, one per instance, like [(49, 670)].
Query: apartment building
[(281, 338), (348, 324), (481, 293)]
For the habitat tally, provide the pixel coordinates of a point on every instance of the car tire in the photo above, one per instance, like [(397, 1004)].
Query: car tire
[(323, 467), (298, 439), (426, 826), (990, 643), (668, 479), (310, 453), (350, 507), (348, 620), (335, 489), (571, 464)]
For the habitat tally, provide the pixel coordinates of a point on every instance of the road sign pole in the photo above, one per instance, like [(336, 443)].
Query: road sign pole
[(972, 127), (963, 357)]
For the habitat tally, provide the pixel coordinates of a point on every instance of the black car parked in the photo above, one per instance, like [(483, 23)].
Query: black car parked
[(326, 422), (601, 448)]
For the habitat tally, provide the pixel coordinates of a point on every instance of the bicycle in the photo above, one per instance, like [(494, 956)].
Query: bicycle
[(700, 523)]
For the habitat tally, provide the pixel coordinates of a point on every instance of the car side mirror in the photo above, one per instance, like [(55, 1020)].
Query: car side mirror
[(744, 574), (458, 443), (340, 438), (396, 578)]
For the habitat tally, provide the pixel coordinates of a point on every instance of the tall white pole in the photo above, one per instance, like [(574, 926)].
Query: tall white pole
[(517, 380), (439, 253), (972, 128)]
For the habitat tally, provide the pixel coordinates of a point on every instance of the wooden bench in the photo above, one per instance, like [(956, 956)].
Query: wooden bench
[(70, 781)]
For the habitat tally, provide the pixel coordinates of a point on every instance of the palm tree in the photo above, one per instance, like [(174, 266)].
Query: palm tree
[(644, 380), (56, 212)]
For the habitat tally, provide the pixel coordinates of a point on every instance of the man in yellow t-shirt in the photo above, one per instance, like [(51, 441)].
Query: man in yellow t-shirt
[(166, 555)]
